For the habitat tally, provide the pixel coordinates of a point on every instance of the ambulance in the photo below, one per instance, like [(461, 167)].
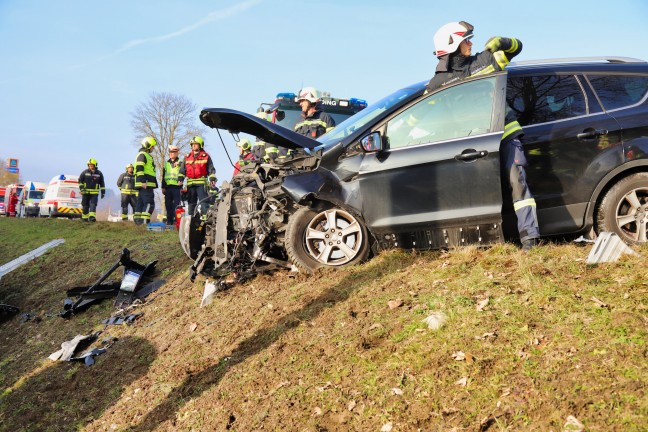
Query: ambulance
[(29, 199), (62, 198)]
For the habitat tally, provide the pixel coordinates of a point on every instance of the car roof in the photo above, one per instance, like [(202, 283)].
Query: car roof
[(579, 64)]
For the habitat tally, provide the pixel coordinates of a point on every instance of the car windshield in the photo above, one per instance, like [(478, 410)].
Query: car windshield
[(36, 194), (357, 121)]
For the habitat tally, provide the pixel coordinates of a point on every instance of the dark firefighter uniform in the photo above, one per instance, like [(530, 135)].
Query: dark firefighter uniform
[(312, 126), (91, 185), (126, 185), (144, 176), (172, 180), (199, 172), (499, 53)]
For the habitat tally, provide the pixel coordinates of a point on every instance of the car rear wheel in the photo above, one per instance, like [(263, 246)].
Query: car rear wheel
[(624, 209), (329, 237)]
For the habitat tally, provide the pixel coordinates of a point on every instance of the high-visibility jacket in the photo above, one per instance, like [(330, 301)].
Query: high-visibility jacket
[(455, 67), (245, 160), (314, 125), (92, 183), (145, 171), (198, 168), (171, 175), (126, 184)]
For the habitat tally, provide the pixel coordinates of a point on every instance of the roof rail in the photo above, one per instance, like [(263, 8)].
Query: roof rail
[(609, 59)]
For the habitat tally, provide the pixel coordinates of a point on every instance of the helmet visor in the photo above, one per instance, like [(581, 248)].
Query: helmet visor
[(469, 29)]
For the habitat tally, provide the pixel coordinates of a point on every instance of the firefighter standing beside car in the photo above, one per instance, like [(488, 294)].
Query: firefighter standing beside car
[(91, 185), (126, 185), (145, 182), (172, 180), (200, 174), (453, 48)]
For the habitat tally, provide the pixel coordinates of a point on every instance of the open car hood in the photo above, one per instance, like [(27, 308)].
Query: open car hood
[(237, 121)]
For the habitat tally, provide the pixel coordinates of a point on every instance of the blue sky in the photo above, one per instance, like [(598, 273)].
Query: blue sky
[(73, 71)]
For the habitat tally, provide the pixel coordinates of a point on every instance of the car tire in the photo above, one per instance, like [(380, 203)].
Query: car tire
[(308, 229), (624, 209)]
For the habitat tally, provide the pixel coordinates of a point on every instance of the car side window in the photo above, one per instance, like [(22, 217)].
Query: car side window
[(457, 112), (542, 99), (616, 91)]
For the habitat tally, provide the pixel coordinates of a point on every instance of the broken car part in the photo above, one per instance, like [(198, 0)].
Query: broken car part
[(126, 290)]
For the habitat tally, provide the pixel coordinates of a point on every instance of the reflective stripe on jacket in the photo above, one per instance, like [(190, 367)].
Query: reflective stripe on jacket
[(198, 169), (171, 175), (145, 171), (314, 125), (91, 183), (126, 184)]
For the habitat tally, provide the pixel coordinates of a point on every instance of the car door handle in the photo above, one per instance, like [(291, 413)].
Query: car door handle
[(471, 154), (591, 133)]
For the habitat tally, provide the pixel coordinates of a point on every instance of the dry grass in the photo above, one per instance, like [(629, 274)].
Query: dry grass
[(526, 344)]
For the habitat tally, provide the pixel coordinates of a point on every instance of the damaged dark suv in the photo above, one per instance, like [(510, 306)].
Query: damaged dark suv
[(422, 171)]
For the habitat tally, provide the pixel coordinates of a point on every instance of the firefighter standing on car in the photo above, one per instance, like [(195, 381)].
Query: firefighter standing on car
[(200, 174), (126, 185), (172, 180), (91, 185), (453, 49), (145, 182), (245, 155)]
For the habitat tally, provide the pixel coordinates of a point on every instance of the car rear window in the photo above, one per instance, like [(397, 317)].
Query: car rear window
[(547, 98), (617, 91)]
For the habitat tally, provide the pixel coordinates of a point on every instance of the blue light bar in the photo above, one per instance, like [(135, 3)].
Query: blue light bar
[(290, 96), (356, 101)]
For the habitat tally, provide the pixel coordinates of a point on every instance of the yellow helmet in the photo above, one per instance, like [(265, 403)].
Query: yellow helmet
[(197, 140), (244, 144), (149, 142), (92, 161)]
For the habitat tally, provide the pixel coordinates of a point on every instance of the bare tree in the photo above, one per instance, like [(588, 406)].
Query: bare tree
[(171, 120)]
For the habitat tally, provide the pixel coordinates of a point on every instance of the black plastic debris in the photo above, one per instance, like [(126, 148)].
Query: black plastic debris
[(134, 278), (118, 320)]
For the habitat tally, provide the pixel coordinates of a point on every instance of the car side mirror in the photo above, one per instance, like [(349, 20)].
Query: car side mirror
[(372, 142)]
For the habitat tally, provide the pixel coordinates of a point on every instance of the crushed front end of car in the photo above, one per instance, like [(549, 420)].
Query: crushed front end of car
[(243, 233)]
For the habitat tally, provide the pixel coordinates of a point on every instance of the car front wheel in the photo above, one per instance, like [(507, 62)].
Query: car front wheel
[(331, 237), (624, 209)]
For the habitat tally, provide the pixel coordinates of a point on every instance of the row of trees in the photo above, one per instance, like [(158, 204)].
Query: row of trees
[(170, 119)]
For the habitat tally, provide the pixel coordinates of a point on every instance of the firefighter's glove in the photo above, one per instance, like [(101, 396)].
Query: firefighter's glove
[(103, 194), (493, 44)]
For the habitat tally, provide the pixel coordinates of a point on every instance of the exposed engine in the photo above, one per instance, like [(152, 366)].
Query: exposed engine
[(243, 232)]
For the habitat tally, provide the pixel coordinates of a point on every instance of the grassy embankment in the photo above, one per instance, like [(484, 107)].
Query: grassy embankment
[(529, 340)]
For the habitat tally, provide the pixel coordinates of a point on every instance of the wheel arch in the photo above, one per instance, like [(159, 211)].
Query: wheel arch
[(608, 182)]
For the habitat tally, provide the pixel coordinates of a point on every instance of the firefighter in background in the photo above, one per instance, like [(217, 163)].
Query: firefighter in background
[(145, 182), (453, 48), (200, 174), (91, 185), (126, 185), (172, 181), (314, 122), (245, 155)]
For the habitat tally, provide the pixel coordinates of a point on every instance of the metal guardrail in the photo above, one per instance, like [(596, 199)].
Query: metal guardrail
[(14, 264), (609, 59)]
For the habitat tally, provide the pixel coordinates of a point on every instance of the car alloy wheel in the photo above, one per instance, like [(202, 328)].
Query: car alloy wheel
[(624, 209), (325, 237)]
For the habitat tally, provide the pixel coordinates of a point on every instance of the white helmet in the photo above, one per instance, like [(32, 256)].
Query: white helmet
[(311, 94), (449, 36)]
